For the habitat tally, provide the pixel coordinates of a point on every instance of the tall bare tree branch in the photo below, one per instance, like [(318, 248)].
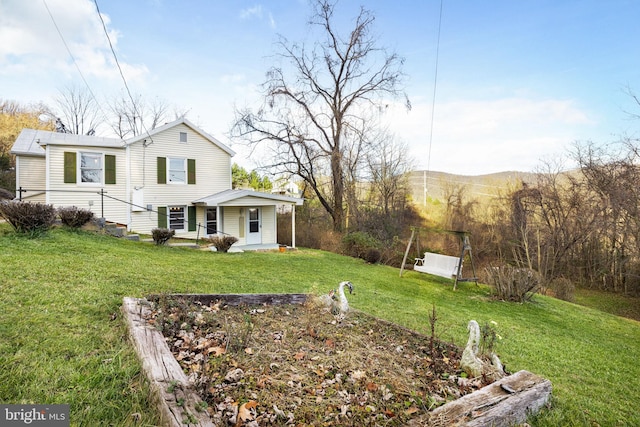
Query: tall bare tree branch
[(315, 106)]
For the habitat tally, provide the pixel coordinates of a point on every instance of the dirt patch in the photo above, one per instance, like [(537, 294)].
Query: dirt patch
[(296, 365)]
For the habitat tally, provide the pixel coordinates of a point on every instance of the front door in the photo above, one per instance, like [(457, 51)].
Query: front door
[(254, 226)]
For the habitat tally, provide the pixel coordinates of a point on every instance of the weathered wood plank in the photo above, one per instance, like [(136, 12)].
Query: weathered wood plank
[(501, 404), (168, 382)]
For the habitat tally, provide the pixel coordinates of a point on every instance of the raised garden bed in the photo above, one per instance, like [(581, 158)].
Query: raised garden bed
[(274, 360)]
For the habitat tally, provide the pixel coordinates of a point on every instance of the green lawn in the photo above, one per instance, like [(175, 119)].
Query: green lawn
[(59, 342), (620, 305)]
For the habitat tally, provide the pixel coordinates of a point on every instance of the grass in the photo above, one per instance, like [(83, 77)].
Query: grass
[(62, 339), (620, 305)]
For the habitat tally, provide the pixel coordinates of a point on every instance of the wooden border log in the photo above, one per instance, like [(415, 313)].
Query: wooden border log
[(503, 403), (179, 404)]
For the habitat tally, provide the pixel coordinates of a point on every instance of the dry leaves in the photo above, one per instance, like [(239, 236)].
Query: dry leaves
[(291, 366)]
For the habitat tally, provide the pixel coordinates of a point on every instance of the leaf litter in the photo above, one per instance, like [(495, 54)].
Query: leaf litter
[(296, 365)]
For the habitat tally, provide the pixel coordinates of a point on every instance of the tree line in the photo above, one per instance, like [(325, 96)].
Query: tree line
[(320, 124)]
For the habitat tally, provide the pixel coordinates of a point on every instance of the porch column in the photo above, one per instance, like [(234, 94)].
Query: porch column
[(293, 225), (218, 219)]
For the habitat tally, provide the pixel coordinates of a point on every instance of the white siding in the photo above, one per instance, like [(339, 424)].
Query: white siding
[(269, 234), (84, 195), (213, 174), (31, 175)]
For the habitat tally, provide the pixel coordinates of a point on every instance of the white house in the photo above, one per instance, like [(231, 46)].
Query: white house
[(177, 176)]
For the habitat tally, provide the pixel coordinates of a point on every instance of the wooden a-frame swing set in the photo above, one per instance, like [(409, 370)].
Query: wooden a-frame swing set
[(441, 265)]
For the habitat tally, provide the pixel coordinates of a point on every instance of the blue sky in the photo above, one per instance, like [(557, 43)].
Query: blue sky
[(518, 81)]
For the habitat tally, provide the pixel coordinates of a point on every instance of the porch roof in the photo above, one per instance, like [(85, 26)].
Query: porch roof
[(245, 198)]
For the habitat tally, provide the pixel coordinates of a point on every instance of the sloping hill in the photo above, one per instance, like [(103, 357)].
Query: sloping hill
[(437, 184)]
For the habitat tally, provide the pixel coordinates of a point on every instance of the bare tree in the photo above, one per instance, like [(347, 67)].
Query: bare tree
[(389, 167), (313, 110), (133, 117), (78, 111)]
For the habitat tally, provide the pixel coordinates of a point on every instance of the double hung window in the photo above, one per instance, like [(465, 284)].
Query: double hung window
[(177, 170), (176, 218), (91, 168)]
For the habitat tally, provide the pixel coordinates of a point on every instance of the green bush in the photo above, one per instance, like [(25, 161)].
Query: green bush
[(27, 217), (74, 217), (162, 235), (222, 243), (359, 243)]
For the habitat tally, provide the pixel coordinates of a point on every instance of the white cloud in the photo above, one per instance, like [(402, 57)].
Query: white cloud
[(475, 137), (257, 12), (254, 11), (30, 43)]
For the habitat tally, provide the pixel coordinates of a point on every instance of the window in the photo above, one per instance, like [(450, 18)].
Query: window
[(91, 168), (183, 137), (212, 221), (176, 217), (177, 171)]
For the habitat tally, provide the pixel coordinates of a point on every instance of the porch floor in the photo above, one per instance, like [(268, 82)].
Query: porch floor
[(260, 247)]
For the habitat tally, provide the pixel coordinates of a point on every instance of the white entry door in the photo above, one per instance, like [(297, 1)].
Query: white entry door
[(254, 226)]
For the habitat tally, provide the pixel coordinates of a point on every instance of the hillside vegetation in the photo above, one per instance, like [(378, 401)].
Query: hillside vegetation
[(62, 339)]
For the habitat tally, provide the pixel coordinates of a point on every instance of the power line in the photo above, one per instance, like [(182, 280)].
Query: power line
[(435, 84), (124, 80), (72, 57), (433, 101)]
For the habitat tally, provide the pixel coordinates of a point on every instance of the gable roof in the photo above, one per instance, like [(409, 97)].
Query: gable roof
[(228, 196), (185, 122), (30, 142)]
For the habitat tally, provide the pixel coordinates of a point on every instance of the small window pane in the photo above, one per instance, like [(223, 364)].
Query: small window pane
[(91, 167), (177, 172), (212, 223), (183, 137), (254, 220)]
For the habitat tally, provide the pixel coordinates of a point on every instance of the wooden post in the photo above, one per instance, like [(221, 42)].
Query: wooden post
[(406, 253)]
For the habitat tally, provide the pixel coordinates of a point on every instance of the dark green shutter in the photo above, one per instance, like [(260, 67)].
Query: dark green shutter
[(162, 217), (191, 216), (162, 170), (191, 171), (70, 167), (109, 169)]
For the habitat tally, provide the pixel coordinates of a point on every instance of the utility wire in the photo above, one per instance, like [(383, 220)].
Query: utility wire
[(73, 58), (435, 84), (124, 80)]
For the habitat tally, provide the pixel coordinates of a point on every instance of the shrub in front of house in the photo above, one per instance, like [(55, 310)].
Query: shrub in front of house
[(162, 235), (6, 194), (222, 243), (74, 217), (27, 217)]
